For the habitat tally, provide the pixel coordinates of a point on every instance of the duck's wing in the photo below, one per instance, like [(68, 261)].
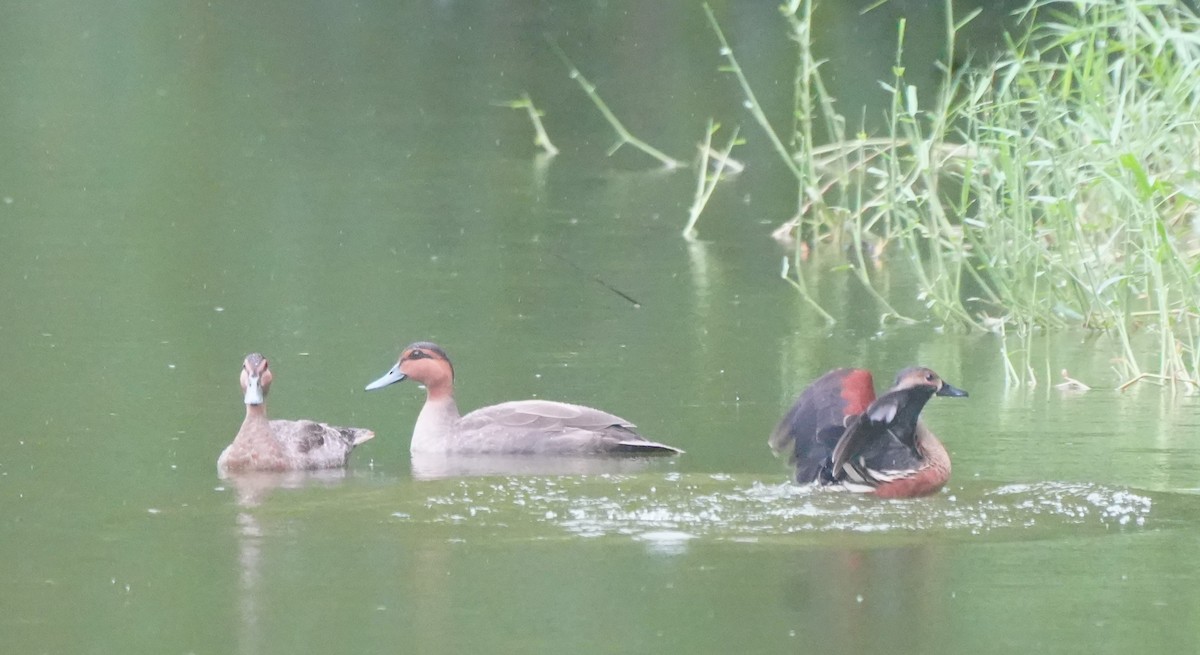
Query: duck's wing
[(817, 421), (876, 447), (539, 415), (546, 426)]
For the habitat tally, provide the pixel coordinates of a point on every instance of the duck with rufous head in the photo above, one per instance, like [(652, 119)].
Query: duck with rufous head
[(521, 427), (838, 433)]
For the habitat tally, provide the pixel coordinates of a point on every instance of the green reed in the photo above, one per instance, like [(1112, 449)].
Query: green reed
[(1053, 187), (710, 167)]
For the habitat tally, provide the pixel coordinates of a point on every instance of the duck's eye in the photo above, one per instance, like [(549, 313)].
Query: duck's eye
[(416, 354), (929, 377)]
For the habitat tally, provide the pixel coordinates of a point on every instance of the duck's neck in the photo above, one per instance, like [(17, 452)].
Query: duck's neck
[(255, 433), (437, 421), (905, 423)]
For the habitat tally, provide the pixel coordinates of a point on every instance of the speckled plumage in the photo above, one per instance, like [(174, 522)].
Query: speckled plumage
[(281, 445)]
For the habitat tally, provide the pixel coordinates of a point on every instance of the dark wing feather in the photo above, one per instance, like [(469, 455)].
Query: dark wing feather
[(310, 436), (882, 438), (816, 422)]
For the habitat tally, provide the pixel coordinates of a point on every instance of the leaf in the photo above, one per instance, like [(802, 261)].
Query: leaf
[(1109, 282), (1141, 180)]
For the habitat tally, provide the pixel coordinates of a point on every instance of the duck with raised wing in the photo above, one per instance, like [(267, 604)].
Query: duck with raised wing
[(839, 434), (520, 427), (265, 445)]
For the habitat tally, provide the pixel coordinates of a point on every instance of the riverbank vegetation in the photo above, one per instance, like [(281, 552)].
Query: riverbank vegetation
[(1055, 186)]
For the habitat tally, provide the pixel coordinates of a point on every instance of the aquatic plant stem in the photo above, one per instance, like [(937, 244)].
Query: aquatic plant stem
[(801, 286), (755, 109), (1053, 187), (624, 136), (706, 183), (540, 138)]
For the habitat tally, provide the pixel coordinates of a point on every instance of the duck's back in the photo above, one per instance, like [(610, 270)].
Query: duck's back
[(548, 427), (312, 445)]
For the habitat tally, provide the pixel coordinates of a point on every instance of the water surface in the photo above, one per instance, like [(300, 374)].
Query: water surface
[(184, 184)]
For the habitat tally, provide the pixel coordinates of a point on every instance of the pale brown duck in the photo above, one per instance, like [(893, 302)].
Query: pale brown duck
[(265, 445), (532, 427)]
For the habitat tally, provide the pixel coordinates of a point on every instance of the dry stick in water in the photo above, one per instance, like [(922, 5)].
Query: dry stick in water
[(623, 135), (599, 280)]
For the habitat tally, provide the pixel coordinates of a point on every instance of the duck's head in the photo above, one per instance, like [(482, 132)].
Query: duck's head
[(902, 404), (256, 379), (424, 362), (919, 377)]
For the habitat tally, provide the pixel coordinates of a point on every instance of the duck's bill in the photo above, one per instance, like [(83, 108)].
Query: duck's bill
[(951, 391), (391, 377), (254, 392)]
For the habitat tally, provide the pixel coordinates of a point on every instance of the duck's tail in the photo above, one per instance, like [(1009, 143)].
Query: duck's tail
[(363, 435), (357, 436), (646, 447)]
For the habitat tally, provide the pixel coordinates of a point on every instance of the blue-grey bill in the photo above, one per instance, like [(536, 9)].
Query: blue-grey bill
[(391, 377)]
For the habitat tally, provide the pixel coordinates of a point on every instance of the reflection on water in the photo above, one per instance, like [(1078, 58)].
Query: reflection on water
[(250, 539), (252, 489), (436, 466), (871, 600)]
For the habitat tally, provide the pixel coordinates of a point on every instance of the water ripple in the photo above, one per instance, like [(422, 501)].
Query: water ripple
[(668, 511)]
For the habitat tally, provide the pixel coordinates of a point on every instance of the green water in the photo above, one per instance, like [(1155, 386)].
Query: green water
[(183, 183)]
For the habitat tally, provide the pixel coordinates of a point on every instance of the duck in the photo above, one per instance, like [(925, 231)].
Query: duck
[(265, 445), (838, 433), (522, 427)]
